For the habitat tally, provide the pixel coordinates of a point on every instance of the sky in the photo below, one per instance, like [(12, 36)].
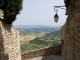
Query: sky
[(40, 12)]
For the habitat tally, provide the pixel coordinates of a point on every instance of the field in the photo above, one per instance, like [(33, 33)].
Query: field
[(36, 38)]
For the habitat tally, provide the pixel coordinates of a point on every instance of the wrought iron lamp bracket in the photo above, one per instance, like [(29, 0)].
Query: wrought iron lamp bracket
[(56, 8)]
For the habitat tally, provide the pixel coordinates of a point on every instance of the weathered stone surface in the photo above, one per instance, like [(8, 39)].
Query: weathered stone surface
[(9, 42), (71, 33), (54, 50)]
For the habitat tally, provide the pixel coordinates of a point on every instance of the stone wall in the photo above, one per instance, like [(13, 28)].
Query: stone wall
[(71, 33), (54, 50), (9, 41)]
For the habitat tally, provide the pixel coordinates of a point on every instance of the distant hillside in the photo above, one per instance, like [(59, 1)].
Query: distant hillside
[(34, 26), (36, 30), (55, 33), (49, 39), (53, 38)]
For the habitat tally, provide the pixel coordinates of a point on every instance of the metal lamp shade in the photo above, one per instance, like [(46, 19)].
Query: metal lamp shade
[(56, 17)]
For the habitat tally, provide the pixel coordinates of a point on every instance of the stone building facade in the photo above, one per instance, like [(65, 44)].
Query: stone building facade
[(9, 41), (71, 33)]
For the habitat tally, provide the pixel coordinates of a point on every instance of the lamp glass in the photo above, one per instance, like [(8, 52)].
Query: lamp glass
[(56, 17)]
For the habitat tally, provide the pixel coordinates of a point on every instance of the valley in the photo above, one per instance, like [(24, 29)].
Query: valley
[(36, 38)]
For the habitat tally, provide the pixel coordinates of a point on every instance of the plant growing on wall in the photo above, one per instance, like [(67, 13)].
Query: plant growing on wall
[(11, 9), (67, 3)]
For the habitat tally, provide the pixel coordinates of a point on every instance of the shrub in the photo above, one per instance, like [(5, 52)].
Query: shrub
[(11, 9)]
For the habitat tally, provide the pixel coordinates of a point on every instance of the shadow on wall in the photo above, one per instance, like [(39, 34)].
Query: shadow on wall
[(53, 50), (53, 53), (3, 56), (52, 57), (7, 27)]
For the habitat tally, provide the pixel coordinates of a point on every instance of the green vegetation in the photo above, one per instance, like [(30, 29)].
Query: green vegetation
[(67, 4), (49, 39), (36, 31), (27, 47), (11, 9)]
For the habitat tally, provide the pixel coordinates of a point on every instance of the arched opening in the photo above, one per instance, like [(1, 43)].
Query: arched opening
[(70, 32), (40, 16), (40, 13)]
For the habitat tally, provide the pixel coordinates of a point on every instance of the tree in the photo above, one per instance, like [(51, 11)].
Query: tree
[(11, 9)]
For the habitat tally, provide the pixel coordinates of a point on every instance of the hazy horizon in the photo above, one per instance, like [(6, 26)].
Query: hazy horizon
[(40, 12), (32, 25)]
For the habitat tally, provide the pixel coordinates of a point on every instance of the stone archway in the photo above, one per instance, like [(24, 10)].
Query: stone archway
[(70, 36)]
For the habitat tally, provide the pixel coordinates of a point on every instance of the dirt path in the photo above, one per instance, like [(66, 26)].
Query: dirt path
[(52, 57)]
